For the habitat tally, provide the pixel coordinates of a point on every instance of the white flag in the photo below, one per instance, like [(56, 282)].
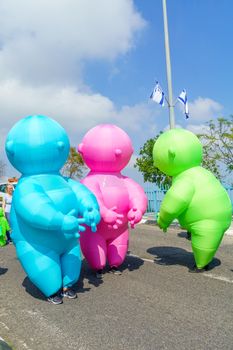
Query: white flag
[(183, 99), (158, 95)]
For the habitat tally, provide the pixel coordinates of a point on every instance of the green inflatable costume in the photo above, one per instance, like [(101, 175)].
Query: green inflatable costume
[(196, 198), (4, 226)]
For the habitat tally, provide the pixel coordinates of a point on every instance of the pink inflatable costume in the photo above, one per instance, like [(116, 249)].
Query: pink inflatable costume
[(106, 150)]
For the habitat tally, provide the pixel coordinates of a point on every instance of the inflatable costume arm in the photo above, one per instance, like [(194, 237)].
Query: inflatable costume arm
[(137, 201), (176, 200), (33, 205), (88, 206)]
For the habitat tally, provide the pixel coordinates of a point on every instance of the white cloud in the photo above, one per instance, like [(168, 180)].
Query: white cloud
[(203, 109), (44, 41), (75, 110), (177, 126), (139, 118), (72, 108), (44, 46), (197, 129)]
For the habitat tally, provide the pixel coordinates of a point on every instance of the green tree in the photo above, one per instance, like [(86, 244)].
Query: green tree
[(145, 165), (217, 142), (74, 166)]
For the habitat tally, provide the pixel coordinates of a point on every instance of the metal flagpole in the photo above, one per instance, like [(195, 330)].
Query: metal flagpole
[(168, 65)]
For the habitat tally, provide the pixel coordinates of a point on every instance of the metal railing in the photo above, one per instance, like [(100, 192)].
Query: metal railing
[(229, 190)]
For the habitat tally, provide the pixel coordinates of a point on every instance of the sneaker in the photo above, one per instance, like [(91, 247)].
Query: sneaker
[(99, 274), (55, 299), (115, 271), (69, 293)]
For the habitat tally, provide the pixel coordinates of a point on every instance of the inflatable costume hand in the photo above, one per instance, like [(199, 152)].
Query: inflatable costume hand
[(92, 218), (134, 216), (71, 225), (161, 223), (112, 218)]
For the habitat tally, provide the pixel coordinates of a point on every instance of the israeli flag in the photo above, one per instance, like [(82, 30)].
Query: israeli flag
[(183, 99), (158, 95)]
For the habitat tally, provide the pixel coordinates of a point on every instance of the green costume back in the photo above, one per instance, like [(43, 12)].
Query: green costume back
[(196, 198), (4, 226)]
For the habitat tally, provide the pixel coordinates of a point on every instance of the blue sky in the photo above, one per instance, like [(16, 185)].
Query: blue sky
[(201, 54), (83, 65)]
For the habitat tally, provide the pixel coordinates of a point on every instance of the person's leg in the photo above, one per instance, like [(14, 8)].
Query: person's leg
[(8, 237), (9, 240), (7, 215)]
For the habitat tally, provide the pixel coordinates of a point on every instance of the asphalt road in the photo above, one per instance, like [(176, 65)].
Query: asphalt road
[(155, 304)]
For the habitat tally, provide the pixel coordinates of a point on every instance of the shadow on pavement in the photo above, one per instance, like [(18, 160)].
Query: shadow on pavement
[(131, 263), (36, 293), (31, 289), (89, 274), (177, 256), (182, 234), (3, 270)]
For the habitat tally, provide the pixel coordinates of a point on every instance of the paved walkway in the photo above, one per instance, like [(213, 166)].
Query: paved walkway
[(156, 304)]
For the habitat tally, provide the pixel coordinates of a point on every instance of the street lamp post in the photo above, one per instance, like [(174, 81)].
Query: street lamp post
[(168, 65)]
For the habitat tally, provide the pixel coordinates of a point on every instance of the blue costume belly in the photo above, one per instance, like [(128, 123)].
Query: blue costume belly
[(64, 200)]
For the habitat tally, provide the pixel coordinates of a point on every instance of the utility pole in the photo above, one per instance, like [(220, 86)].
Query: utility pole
[(168, 65)]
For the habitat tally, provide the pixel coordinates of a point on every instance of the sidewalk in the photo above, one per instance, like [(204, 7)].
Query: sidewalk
[(150, 219), (124, 312)]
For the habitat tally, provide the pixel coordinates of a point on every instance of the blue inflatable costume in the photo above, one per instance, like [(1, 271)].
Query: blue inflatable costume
[(47, 208)]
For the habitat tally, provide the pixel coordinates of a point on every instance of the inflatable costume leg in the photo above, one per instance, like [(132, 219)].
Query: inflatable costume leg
[(117, 249), (71, 266), (94, 249), (206, 238), (42, 267)]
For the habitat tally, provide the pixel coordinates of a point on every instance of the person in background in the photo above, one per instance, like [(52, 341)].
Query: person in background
[(8, 200), (4, 228), (2, 202)]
